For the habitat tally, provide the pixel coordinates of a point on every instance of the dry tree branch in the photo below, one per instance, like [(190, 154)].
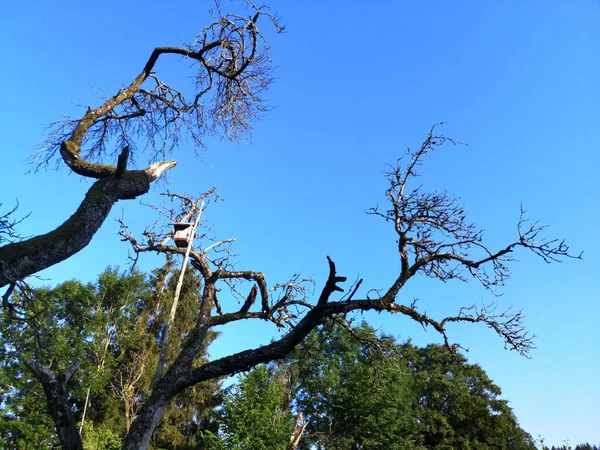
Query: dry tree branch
[(434, 239), (8, 224), (233, 69)]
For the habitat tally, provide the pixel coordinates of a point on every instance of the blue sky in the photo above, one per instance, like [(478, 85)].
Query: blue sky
[(357, 83)]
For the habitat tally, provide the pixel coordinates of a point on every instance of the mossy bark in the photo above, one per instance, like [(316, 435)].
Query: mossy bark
[(22, 259)]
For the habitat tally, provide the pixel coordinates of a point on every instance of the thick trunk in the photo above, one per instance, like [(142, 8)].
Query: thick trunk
[(168, 386), (183, 375), (57, 396), (21, 259), (146, 421)]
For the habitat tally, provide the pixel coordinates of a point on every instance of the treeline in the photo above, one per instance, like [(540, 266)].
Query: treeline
[(349, 389), (585, 446), (342, 388)]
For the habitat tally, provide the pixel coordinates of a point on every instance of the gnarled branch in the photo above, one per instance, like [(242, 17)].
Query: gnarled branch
[(21, 259)]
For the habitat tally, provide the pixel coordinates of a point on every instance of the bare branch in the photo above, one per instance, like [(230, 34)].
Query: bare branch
[(8, 224), (331, 284), (436, 239), (510, 326), (232, 69)]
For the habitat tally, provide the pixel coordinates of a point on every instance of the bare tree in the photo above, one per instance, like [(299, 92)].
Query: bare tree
[(434, 239), (231, 66), (233, 69)]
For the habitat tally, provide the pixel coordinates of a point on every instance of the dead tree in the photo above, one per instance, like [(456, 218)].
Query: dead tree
[(434, 239), (231, 71)]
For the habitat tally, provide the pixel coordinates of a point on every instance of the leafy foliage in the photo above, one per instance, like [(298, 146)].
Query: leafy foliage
[(459, 405), (342, 388), (352, 396), (350, 389), (114, 327), (256, 413)]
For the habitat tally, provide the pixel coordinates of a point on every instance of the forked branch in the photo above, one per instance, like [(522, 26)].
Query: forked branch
[(436, 239)]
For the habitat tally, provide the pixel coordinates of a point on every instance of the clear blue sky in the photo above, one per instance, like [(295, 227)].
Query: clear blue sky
[(358, 81)]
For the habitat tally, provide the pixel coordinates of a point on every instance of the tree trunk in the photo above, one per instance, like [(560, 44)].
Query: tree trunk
[(145, 422), (299, 427), (57, 396)]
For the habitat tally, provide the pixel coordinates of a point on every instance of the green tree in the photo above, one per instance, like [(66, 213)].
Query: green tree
[(585, 446), (459, 406), (113, 327), (189, 421), (351, 395), (256, 414), (350, 389), (50, 330)]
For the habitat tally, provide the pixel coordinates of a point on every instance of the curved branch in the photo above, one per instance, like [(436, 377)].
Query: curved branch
[(508, 326), (21, 259), (70, 149), (222, 47), (258, 277), (94, 114)]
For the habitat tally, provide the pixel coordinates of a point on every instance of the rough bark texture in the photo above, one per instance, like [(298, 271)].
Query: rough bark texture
[(234, 68), (55, 388), (21, 259), (144, 425)]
